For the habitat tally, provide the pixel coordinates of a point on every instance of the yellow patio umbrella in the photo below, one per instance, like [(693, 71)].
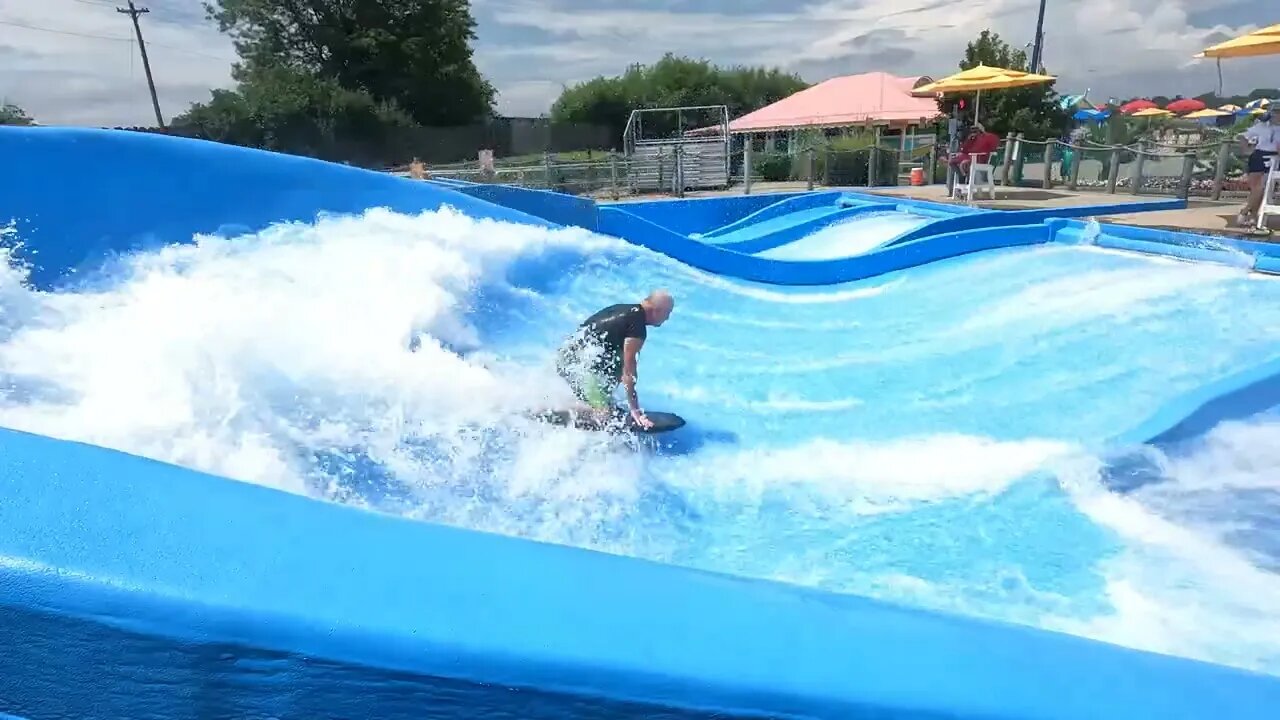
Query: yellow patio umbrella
[(1151, 112), (1207, 112), (1259, 42), (983, 77)]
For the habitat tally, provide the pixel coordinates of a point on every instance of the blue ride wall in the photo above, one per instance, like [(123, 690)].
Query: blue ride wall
[(132, 588), (556, 207), (80, 195)]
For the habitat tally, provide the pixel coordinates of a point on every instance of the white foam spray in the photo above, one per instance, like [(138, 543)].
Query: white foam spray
[(347, 359), (246, 356), (854, 236)]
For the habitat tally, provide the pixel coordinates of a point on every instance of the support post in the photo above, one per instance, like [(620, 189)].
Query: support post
[(1007, 165), (1137, 170), (1049, 148), (1113, 176), (613, 175), (1220, 172), (1188, 169)]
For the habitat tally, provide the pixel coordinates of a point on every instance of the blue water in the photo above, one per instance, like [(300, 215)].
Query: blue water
[(929, 436), (855, 236)]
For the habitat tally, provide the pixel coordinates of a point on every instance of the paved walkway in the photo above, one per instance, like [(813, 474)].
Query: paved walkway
[(1200, 216)]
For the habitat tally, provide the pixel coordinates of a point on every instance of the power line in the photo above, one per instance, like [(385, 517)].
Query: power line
[(63, 32), (94, 36), (133, 14)]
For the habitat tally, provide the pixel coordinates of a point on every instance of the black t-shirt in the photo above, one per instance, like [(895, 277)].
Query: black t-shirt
[(607, 329)]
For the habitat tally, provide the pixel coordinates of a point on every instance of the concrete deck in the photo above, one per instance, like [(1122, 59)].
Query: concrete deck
[(1200, 216)]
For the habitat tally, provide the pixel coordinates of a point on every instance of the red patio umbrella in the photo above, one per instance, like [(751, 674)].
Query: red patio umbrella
[(1135, 105), (1184, 105)]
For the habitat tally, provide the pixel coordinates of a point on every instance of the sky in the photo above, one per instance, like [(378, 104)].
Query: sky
[(74, 62)]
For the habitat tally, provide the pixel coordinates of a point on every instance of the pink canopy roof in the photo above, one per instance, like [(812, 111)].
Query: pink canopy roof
[(874, 97)]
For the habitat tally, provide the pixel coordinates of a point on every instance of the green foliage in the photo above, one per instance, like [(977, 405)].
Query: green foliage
[(343, 79), (1214, 100), (845, 159), (1032, 110), (11, 114), (772, 166), (415, 53), (1117, 130), (671, 82), (837, 159), (288, 110)]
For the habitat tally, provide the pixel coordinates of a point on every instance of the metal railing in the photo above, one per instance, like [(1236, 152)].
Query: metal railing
[(1143, 167), (1207, 170)]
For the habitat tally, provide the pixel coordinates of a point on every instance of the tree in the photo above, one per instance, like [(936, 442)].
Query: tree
[(287, 110), (1214, 100), (1034, 111), (672, 82), (11, 114), (415, 53)]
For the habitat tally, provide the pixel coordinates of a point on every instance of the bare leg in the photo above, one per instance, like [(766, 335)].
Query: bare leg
[(1255, 195)]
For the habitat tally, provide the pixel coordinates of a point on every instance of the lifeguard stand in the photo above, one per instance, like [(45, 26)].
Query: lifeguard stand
[(1270, 192)]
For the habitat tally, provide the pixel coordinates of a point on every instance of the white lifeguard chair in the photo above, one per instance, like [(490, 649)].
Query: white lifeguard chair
[(981, 179), (1270, 192)]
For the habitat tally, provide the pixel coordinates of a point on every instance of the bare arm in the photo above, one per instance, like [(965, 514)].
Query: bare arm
[(630, 351), (1245, 145)]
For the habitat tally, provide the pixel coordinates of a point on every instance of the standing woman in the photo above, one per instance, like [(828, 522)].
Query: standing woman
[(1261, 141)]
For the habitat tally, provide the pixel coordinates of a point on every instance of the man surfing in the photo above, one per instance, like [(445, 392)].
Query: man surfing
[(605, 351)]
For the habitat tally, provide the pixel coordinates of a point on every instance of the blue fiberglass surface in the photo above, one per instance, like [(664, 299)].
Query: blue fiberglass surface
[(709, 214), (855, 236), (928, 436), (773, 225), (880, 437), (68, 224)]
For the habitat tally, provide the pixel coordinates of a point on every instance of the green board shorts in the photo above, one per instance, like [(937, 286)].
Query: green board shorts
[(592, 389), (595, 391)]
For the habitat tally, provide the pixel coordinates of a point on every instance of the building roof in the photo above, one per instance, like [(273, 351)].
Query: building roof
[(869, 98)]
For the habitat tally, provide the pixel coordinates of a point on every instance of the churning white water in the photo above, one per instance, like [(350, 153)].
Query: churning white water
[(923, 437)]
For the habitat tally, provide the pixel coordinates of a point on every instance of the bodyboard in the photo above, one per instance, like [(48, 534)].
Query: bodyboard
[(620, 422)]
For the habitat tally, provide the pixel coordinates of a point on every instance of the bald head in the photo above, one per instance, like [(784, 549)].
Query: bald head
[(657, 307)]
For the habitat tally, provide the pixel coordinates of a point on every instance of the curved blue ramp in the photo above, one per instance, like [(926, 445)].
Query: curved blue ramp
[(722, 261), (443, 613), (187, 187), (867, 466), (829, 225)]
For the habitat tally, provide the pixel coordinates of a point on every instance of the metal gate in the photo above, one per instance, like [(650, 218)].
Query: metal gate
[(675, 156)]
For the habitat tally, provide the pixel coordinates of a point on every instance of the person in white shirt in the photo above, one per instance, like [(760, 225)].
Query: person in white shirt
[(1261, 141)]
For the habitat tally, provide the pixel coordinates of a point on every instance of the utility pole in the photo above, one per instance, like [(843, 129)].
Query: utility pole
[(133, 14), (1035, 50)]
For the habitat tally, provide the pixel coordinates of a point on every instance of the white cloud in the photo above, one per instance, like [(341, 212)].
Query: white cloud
[(76, 62), (1113, 47), (88, 72)]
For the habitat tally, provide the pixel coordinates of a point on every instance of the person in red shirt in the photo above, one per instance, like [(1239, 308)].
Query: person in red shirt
[(978, 146)]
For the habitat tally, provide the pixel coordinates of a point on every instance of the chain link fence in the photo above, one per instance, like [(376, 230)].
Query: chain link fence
[(394, 148), (612, 175), (1210, 170), (582, 159)]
